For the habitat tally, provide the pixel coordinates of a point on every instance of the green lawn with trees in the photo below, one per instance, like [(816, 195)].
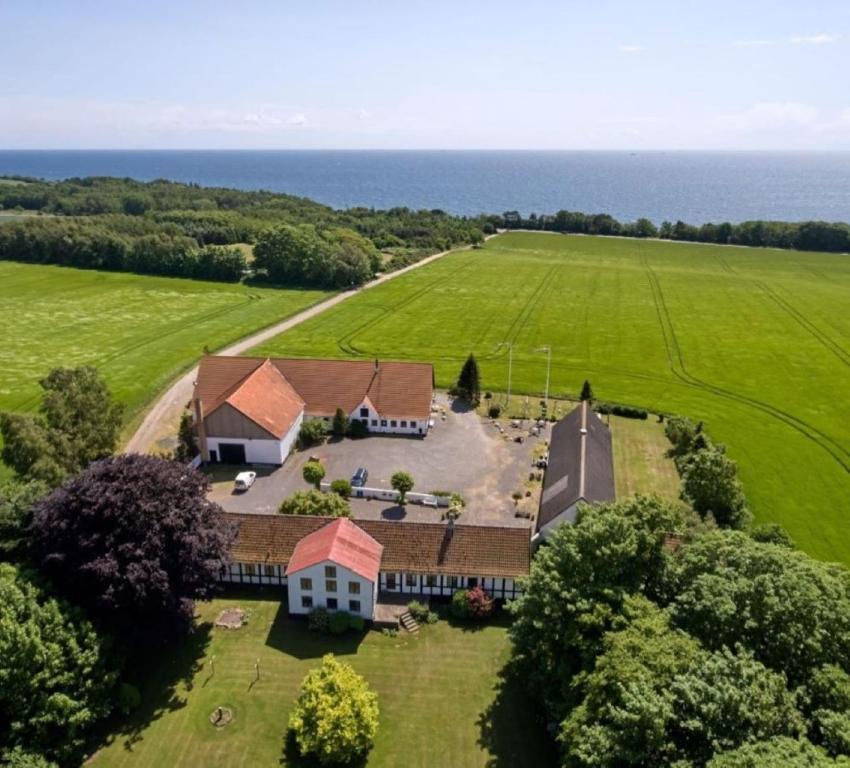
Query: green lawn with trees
[(754, 342), (138, 331), (442, 696)]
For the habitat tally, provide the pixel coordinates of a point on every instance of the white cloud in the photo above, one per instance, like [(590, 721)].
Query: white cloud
[(820, 39), (363, 114), (630, 48), (297, 120), (753, 43)]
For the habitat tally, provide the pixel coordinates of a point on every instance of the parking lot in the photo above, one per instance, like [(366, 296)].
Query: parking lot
[(463, 453)]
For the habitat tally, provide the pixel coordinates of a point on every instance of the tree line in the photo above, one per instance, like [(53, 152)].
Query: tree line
[(802, 236), (178, 222), (653, 637)]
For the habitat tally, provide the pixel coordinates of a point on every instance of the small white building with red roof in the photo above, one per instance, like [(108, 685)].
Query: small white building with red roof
[(336, 567)]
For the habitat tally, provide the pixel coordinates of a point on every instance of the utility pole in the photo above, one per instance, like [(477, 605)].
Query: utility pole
[(510, 369), (548, 351)]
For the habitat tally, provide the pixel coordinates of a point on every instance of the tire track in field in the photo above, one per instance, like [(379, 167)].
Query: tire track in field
[(830, 344), (345, 342), (677, 366)]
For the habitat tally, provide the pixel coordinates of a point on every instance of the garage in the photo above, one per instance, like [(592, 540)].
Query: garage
[(231, 453)]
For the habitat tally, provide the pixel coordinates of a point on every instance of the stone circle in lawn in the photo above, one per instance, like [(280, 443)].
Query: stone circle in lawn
[(221, 716), (230, 618)]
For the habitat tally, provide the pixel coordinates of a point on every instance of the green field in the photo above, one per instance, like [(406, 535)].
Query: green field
[(441, 697), (754, 342), (139, 331)]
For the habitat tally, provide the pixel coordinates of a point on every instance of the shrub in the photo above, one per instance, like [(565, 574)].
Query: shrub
[(313, 473), (418, 610), (479, 604), (358, 429), (315, 503), (389, 632), (340, 423), (318, 620), (460, 604), (432, 617), (312, 432), (341, 487), (626, 411), (494, 411), (339, 622), (403, 483), (357, 623)]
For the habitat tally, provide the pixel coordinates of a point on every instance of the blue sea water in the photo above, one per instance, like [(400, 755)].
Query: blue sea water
[(693, 186)]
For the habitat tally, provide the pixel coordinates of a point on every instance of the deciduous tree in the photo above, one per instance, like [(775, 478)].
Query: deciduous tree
[(315, 503), (403, 483), (135, 541), (55, 677), (16, 501), (335, 718), (710, 485), (313, 472)]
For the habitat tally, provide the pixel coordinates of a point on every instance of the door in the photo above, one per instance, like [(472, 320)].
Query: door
[(231, 453)]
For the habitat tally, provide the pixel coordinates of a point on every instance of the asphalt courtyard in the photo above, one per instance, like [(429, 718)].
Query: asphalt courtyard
[(462, 453)]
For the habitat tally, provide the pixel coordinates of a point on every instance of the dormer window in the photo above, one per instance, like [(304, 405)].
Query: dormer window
[(364, 413)]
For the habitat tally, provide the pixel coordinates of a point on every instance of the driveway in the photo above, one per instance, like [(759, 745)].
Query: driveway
[(463, 453)]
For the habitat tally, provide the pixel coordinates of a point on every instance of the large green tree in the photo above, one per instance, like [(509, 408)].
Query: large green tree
[(469, 381), (79, 422), (335, 718), (579, 581), (56, 681), (17, 498), (710, 485), (403, 483), (778, 752)]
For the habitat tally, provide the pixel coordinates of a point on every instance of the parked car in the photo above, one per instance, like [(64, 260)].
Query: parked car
[(359, 478), (244, 480)]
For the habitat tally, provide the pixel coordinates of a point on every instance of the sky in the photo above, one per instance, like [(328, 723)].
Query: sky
[(643, 74)]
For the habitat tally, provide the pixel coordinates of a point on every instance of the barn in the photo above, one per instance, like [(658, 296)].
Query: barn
[(248, 410)]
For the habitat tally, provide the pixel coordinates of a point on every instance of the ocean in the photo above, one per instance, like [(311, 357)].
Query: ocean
[(693, 186)]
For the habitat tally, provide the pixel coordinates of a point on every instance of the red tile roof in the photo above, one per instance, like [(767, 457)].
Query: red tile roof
[(265, 397), (396, 389), (341, 542), (426, 548)]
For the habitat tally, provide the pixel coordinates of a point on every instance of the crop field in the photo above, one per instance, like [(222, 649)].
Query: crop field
[(139, 331), (754, 342), (442, 694)]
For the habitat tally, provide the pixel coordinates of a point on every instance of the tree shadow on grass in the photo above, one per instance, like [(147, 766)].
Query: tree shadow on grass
[(499, 619), (292, 758), (513, 728), (293, 637), (158, 674)]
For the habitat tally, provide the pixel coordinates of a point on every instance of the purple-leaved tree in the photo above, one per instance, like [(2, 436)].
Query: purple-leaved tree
[(134, 540)]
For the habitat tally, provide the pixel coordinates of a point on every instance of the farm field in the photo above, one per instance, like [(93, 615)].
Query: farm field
[(139, 331), (441, 697), (754, 342)]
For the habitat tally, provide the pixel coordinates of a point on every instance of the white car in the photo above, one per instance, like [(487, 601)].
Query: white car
[(244, 480)]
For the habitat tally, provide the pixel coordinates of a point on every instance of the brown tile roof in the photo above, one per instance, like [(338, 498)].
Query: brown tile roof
[(396, 389), (428, 548), (265, 397)]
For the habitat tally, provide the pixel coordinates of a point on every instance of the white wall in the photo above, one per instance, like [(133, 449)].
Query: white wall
[(261, 451), (316, 573), (445, 585), (376, 422)]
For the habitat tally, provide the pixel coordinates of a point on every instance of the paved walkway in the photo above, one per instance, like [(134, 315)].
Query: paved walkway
[(162, 420)]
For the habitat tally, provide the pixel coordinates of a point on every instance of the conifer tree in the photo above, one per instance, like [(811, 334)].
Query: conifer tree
[(586, 392), (469, 382)]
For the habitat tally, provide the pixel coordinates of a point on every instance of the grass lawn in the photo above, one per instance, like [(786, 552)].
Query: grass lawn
[(640, 461), (139, 331), (754, 342), (441, 697)]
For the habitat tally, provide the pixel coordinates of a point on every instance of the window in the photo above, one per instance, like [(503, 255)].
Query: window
[(306, 584), (383, 422), (472, 582), (354, 606), (330, 585), (413, 424), (390, 581), (374, 422), (410, 579), (330, 571), (268, 570), (332, 604), (306, 601), (353, 587), (430, 581), (452, 581), (393, 423), (250, 570), (404, 423), (364, 413)]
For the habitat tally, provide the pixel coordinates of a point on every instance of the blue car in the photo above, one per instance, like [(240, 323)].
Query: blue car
[(358, 480)]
